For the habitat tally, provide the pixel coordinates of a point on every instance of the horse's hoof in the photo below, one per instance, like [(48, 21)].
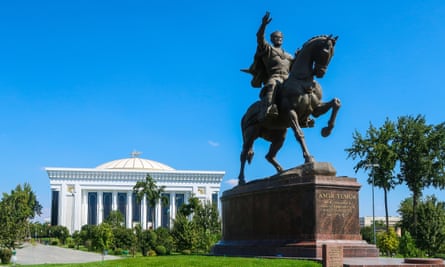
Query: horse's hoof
[(326, 131), (309, 159)]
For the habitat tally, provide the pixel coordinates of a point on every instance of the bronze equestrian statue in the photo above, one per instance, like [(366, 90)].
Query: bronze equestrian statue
[(297, 99)]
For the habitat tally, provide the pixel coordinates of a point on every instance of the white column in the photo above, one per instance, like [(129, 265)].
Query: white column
[(158, 217), (129, 210), (144, 213), (172, 207), (62, 203), (100, 207), (84, 207), (114, 205), (77, 207)]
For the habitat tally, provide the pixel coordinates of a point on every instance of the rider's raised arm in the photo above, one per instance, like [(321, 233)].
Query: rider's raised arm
[(261, 40)]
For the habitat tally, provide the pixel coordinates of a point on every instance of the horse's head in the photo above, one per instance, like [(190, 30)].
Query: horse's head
[(323, 52), (314, 57)]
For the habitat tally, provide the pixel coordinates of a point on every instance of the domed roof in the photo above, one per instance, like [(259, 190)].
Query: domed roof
[(135, 163)]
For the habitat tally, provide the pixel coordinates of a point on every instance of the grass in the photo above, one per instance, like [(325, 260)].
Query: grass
[(193, 261)]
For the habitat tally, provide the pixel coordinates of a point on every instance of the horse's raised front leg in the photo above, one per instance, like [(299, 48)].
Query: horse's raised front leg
[(322, 109), (299, 136)]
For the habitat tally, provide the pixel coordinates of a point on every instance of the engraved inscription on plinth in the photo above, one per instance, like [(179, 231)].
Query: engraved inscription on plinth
[(333, 204), (337, 213)]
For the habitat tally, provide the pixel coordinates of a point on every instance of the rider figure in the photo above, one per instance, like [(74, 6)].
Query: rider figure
[(270, 68)]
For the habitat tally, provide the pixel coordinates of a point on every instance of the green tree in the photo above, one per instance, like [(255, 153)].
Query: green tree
[(377, 153), (36, 229), (406, 212), (115, 219), (164, 239), (17, 209), (367, 232), (431, 230), (201, 232), (208, 225), (60, 232), (187, 209), (77, 238), (407, 246), (147, 241), (429, 233), (387, 241), (184, 233), (103, 237), (88, 234), (421, 152), (124, 238), (151, 192)]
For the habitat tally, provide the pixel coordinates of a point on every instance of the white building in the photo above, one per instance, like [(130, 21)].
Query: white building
[(367, 220), (87, 195)]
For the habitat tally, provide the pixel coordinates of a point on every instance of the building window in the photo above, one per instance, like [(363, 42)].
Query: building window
[(108, 202), (179, 201), (136, 208), (92, 208), (122, 205), (165, 219), (55, 208), (215, 199)]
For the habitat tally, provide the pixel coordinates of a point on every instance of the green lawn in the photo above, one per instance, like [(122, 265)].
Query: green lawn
[(191, 261)]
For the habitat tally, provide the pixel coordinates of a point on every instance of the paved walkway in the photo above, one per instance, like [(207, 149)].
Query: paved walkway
[(380, 261), (41, 254)]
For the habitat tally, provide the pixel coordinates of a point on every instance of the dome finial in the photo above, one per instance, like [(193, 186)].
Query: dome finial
[(135, 154)]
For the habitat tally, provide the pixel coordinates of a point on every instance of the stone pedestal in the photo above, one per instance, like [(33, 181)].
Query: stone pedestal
[(292, 215)]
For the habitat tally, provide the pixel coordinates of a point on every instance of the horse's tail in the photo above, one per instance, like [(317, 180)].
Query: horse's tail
[(249, 119)]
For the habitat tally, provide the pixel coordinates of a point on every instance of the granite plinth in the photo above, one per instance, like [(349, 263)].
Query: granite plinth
[(293, 214)]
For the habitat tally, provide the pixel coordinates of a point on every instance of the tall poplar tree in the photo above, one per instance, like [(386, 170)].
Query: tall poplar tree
[(377, 154), (421, 153)]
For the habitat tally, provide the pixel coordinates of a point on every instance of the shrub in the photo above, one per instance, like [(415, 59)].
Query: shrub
[(186, 252), (388, 242), (161, 250), (152, 253), (147, 241), (54, 242), (70, 242), (407, 246), (5, 255), (117, 251), (165, 239), (88, 244)]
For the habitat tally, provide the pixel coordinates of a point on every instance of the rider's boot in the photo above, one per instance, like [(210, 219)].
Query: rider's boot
[(268, 108)]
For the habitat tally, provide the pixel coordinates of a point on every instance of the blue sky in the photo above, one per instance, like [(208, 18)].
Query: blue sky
[(87, 82)]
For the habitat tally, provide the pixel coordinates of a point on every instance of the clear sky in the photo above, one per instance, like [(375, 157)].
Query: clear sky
[(86, 82)]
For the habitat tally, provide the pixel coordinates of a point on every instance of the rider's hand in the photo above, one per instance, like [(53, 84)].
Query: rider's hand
[(266, 18)]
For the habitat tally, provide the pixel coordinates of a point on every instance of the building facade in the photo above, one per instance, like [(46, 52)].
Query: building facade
[(82, 196), (367, 220)]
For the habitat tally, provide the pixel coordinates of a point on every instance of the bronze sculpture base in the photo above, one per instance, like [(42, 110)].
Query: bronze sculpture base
[(292, 215)]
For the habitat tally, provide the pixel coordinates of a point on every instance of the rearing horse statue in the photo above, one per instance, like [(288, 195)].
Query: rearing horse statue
[(297, 99)]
